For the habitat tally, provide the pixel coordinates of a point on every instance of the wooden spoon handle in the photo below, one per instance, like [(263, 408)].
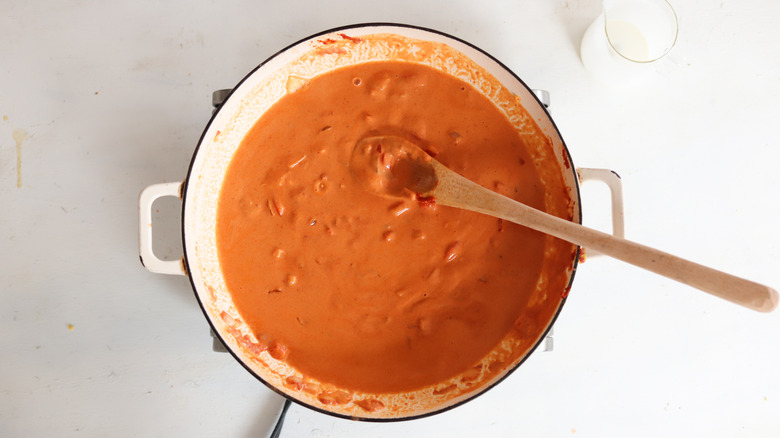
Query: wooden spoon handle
[(456, 191)]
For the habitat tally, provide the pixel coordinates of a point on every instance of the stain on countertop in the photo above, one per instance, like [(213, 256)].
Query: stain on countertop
[(20, 135)]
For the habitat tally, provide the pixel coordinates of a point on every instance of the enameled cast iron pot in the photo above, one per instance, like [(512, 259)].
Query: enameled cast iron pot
[(245, 104)]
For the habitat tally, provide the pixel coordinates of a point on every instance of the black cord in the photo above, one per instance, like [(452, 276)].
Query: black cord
[(277, 432)]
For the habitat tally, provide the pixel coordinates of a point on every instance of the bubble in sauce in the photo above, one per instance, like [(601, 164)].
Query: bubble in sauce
[(388, 236)]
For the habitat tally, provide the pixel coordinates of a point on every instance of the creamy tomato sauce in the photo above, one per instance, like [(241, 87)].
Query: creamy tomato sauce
[(370, 293)]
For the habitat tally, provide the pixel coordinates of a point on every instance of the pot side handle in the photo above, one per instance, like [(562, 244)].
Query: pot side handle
[(145, 202), (615, 185)]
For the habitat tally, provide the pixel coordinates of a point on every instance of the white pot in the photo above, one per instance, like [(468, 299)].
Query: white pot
[(223, 134)]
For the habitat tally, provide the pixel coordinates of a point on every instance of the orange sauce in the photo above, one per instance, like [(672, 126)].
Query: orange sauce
[(369, 293)]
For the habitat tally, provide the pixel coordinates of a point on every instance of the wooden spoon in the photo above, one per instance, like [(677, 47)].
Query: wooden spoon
[(392, 166)]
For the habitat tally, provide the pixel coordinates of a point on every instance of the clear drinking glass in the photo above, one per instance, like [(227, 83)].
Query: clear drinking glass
[(630, 35)]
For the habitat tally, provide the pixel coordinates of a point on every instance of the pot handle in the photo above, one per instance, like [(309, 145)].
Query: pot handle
[(145, 201), (615, 185)]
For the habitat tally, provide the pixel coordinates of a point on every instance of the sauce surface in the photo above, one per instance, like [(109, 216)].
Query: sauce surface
[(365, 292)]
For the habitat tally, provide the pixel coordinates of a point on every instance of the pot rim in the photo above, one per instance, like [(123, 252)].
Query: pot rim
[(218, 334)]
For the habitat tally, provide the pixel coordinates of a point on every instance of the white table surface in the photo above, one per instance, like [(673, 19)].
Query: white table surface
[(110, 97)]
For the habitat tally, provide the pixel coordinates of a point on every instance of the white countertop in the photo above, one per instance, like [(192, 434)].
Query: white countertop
[(107, 98)]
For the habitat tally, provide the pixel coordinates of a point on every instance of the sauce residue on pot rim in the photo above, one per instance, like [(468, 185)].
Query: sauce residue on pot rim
[(375, 295)]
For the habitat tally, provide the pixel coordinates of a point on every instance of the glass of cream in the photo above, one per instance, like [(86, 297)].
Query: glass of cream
[(621, 45)]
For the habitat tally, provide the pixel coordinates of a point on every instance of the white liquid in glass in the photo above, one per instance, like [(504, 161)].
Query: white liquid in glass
[(628, 40), (620, 45)]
